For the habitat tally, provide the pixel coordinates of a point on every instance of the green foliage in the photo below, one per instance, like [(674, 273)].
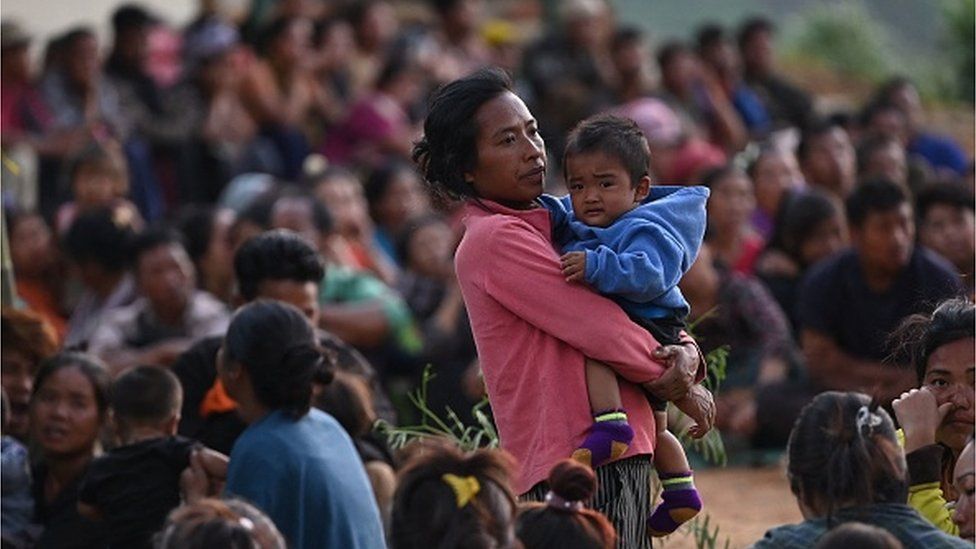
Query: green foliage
[(846, 38), (959, 17), (705, 536), (466, 437)]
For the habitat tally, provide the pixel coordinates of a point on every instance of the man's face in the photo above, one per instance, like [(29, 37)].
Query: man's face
[(884, 239), (830, 163), (303, 295), (166, 277)]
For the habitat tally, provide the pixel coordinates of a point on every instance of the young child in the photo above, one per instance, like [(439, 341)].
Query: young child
[(99, 178), (632, 242), (135, 486)]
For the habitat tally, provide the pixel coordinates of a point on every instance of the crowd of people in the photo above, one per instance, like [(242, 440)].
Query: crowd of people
[(236, 245)]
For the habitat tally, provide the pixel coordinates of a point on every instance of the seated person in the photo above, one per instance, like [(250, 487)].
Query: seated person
[(275, 265), (947, 225), (356, 306), (845, 465), (168, 316), (827, 158), (850, 302), (134, 486), (937, 417), (97, 244)]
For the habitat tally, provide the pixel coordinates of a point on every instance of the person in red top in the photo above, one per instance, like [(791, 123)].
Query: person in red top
[(533, 330)]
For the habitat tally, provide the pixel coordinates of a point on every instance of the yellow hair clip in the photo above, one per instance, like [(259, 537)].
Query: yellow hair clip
[(465, 488)]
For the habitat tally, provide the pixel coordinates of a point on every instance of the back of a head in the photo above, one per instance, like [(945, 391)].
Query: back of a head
[(859, 535), (102, 237), (278, 348), (146, 396), (614, 136), (276, 255), (212, 523), (562, 522), (843, 453), (873, 196), (448, 147), (26, 333), (446, 499)]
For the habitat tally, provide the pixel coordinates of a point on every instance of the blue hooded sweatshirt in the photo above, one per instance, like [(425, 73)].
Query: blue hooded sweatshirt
[(639, 259)]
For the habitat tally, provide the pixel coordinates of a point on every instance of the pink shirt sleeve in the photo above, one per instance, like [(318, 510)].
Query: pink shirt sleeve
[(524, 276)]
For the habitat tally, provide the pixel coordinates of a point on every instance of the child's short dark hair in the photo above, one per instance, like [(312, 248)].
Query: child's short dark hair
[(614, 136), (146, 395)]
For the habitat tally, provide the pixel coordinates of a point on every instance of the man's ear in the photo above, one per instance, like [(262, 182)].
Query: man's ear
[(642, 189)]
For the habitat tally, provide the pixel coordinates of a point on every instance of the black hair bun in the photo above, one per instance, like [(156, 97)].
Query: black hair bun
[(572, 481)]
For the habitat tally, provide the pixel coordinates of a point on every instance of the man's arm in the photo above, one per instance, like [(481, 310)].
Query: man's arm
[(832, 368), (362, 324)]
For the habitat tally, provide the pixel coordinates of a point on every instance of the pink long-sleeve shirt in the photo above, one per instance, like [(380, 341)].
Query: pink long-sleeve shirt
[(533, 331)]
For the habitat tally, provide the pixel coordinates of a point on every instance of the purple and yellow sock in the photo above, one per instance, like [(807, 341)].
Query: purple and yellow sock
[(608, 438), (680, 502)]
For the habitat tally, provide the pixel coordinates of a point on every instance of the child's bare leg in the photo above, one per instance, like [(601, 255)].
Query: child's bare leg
[(669, 455), (610, 435), (681, 501), (602, 388)]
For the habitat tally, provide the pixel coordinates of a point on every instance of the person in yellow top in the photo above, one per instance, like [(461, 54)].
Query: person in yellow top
[(937, 418)]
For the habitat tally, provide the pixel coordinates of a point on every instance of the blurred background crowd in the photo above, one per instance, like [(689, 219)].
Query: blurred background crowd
[(138, 162)]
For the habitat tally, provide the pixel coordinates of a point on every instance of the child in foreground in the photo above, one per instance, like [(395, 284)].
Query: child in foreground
[(136, 485), (631, 242)]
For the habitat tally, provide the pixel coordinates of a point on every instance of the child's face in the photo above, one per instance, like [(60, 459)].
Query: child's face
[(600, 188), (95, 188)]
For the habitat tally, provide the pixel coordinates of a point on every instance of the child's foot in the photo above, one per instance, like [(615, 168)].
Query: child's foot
[(680, 503), (608, 438)]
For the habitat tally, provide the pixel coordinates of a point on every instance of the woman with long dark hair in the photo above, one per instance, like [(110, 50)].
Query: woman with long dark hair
[(296, 464), (532, 329)]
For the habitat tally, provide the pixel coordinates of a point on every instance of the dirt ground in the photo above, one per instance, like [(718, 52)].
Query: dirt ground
[(743, 502)]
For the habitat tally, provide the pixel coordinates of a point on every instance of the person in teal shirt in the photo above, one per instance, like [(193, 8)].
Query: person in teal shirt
[(296, 464)]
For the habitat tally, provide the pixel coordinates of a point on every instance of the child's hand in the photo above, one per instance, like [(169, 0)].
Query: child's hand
[(574, 266)]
